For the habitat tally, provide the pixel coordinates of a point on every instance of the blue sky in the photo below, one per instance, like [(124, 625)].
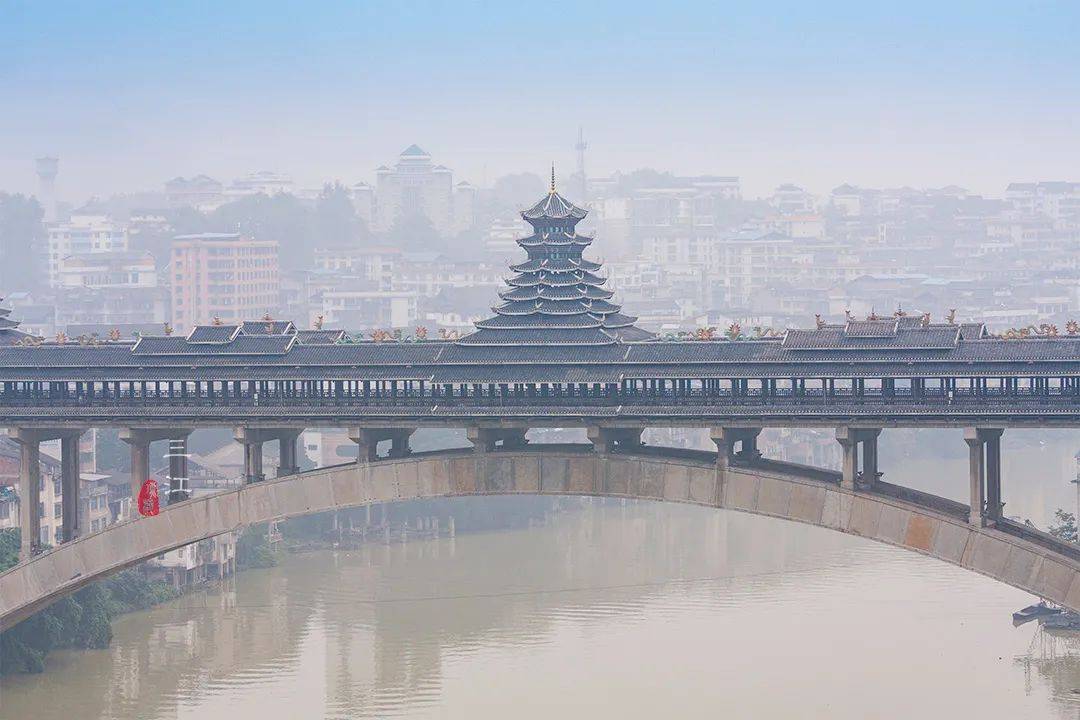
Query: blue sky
[(129, 94)]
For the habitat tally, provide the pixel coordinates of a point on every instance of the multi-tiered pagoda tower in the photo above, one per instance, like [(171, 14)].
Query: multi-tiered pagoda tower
[(556, 297)]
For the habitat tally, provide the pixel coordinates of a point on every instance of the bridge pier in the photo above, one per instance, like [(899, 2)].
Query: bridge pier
[(287, 455), (735, 443), (252, 438), (179, 486), (70, 474), (368, 439), (29, 441), (29, 494), (139, 440), (611, 439), (850, 440), (484, 439), (984, 474)]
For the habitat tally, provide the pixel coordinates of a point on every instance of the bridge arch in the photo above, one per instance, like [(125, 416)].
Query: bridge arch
[(922, 523)]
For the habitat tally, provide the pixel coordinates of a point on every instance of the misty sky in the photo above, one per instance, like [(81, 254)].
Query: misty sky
[(921, 93)]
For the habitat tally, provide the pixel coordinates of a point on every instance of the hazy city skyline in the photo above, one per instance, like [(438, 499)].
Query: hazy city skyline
[(923, 96)]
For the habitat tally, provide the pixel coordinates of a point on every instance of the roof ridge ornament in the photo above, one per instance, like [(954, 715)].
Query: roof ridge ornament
[(552, 178)]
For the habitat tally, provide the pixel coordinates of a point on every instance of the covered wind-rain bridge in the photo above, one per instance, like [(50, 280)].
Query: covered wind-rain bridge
[(558, 352)]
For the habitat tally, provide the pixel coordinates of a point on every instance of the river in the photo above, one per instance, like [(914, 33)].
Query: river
[(633, 610)]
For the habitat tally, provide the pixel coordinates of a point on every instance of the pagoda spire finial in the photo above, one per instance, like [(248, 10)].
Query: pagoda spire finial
[(552, 178)]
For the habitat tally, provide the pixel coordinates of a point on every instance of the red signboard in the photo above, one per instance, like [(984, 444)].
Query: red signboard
[(148, 498)]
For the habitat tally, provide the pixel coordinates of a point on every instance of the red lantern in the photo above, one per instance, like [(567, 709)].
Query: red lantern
[(148, 498)]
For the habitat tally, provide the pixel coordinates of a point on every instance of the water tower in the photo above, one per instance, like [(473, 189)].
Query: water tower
[(47, 170)]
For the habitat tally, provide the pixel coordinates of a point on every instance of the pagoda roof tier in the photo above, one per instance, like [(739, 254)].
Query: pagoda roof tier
[(531, 279), (540, 336), (561, 292), (555, 239), (523, 322), (613, 321), (554, 207), (532, 322), (556, 307), (618, 320), (536, 264)]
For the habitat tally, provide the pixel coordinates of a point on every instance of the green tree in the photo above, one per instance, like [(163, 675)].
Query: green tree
[(9, 547), (1064, 526), (22, 235), (282, 218), (414, 231), (253, 549), (336, 221)]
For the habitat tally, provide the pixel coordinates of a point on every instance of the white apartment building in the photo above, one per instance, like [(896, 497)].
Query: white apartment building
[(108, 270), (263, 182), (1056, 200), (361, 309), (83, 235), (789, 199), (737, 264), (375, 264)]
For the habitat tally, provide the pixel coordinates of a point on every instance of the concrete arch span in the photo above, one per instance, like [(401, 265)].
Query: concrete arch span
[(922, 523)]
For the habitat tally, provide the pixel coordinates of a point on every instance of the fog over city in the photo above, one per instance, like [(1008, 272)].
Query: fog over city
[(484, 359)]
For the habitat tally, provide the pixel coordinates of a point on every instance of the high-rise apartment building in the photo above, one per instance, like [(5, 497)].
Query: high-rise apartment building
[(222, 275)]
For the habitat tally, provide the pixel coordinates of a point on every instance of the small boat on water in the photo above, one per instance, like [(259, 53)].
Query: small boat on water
[(1031, 612)]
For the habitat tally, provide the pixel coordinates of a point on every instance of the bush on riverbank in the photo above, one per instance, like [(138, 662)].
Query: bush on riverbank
[(253, 549)]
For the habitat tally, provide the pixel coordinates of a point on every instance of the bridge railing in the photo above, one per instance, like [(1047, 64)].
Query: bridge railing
[(816, 399)]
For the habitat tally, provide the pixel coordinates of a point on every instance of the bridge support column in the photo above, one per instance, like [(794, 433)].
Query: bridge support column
[(253, 438), (984, 474), (139, 440), (735, 443), (29, 495), (485, 439), (366, 442), (994, 505), (253, 462), (70, 474), (850, 440), (399, 443), (140, 462), (612, 439), (368, 439), (30, 511), (287, 456), (179, 483)]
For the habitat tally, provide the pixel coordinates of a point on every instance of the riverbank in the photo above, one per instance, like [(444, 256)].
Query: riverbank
[(82, 620)]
